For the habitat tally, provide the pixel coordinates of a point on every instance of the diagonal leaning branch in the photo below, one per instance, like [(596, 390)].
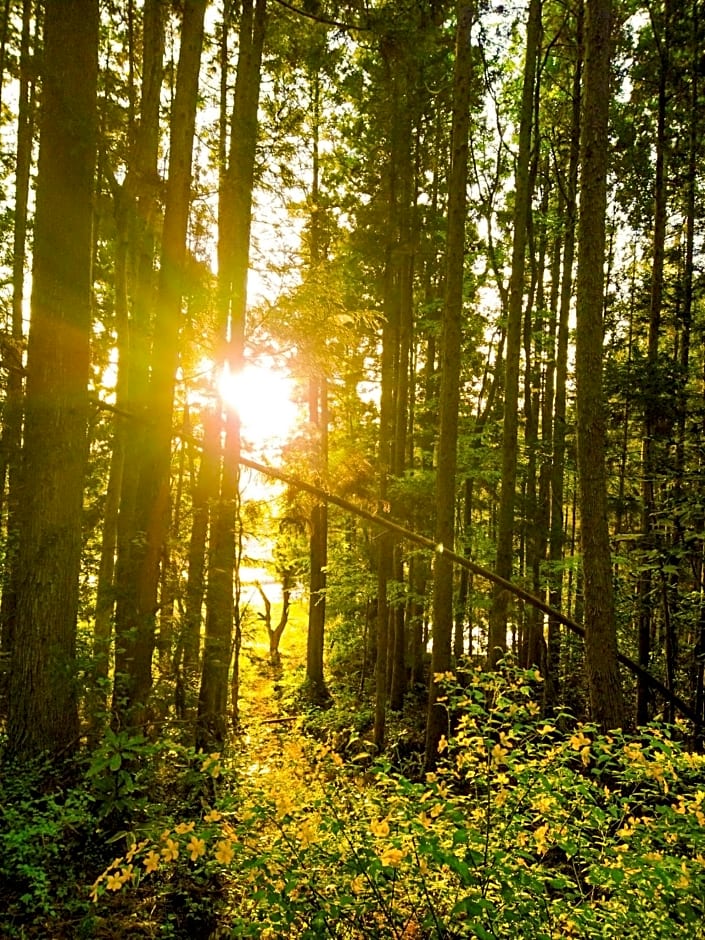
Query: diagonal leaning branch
[(391, 526)]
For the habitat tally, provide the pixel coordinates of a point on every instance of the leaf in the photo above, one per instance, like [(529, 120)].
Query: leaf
[(117, 837), (115, 762), (481, 933), (472, 906)]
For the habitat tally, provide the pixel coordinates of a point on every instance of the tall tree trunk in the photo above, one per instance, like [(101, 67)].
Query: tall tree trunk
[(318, 419), (599, 613), (532, 650), (13, 404), (388, 368), (136, 209), (698, 662), (557, 484), (139, 556), (235, 220), (408, 91), (522, 200), (646, 588), (43, 713), (451, 341)]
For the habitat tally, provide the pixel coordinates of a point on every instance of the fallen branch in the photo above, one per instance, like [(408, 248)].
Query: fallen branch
[(390, 525)]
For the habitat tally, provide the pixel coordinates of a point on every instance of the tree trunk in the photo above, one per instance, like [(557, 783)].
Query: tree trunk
[(408, 92), (13, 405), (204, 491), (234, 219), (599, 613), (140, 552), (497, 643), (558, 512), (318, 551), (318, 418), (43, 713), (449, 398)]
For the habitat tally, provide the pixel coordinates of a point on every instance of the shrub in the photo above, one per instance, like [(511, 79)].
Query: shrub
[(523, 831)]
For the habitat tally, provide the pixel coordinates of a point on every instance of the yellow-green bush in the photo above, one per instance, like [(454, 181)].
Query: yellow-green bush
[(524, 831)]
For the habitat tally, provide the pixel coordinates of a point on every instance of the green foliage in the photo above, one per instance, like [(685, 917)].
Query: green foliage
[(39, 832), (113, 772), (58, 826), (523, 831)]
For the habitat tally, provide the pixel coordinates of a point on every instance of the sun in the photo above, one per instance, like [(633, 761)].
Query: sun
[(263, 396)]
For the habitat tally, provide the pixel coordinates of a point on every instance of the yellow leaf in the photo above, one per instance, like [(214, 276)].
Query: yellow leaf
[(357, 885), (379, 828), (392, 857)]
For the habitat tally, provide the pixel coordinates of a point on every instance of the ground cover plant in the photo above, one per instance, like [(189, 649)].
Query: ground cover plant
[(528, 828)]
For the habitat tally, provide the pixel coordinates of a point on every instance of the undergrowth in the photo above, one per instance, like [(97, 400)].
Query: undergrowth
[(522, 831)]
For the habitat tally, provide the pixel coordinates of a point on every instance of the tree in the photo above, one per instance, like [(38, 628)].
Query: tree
[(135, 210), (557, 470), (141, 547), (497, 643), (451, 339), (10, 450), (318, 413), (235, 219), (600, 624), (43, 713)]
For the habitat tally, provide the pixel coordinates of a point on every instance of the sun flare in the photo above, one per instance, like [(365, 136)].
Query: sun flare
[(263, 396)]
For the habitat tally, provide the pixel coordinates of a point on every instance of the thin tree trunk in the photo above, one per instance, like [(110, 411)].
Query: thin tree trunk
[(558, 525), (600, 625), (646, 588), (522, 201), (318, 418), (13, 404), (449, 399), (205, 490), (408, 90), (388, 370)]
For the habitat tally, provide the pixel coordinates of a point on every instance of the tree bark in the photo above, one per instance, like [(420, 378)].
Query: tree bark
[(140, 553), (497, 643), (43, 712), (12, 413), (558, 512), (235, 219), (599, 613), (318, 418), (449, 399)]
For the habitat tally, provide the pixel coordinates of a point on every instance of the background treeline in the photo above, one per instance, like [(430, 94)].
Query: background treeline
[(445, 212)]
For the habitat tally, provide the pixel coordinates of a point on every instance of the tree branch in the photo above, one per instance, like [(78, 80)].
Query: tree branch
[(391, 526), (321, 19)]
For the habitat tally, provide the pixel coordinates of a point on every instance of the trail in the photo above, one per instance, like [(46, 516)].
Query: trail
[(272, 746)]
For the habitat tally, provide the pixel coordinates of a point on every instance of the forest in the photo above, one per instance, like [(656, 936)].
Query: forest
[(352, 469)]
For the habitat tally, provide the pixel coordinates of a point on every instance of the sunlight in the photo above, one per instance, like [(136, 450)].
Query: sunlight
[(263, 397)]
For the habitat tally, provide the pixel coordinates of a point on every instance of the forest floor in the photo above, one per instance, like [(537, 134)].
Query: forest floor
[(294, 832)]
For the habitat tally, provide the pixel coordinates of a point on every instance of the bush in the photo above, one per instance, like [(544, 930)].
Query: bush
[(44, 837), (523, 831)]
